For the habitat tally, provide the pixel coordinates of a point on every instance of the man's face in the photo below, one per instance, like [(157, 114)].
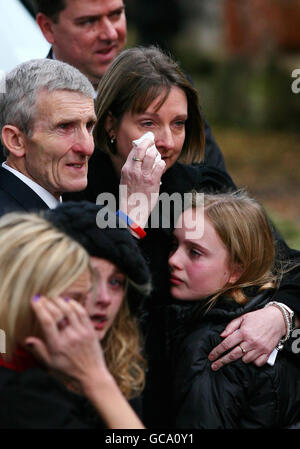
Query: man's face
[(57, 153), (89, 35)]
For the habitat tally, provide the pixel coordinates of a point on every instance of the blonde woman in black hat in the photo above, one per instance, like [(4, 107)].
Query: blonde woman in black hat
[(44, 270), (122, 281)]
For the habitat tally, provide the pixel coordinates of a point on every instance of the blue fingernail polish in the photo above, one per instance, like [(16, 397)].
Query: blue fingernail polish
[(67, 299), (36, 298)]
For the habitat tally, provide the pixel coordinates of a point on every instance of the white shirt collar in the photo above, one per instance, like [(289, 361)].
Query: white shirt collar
[(47, 197)]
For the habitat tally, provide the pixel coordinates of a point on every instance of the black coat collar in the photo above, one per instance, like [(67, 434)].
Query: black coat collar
[(19, 193)]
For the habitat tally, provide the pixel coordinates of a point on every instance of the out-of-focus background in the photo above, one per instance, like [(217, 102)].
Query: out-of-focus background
[(241, 55), (20, 36)]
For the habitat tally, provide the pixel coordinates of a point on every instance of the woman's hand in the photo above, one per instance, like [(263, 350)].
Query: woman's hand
[(140, 182), (252, 336), (71, 345)]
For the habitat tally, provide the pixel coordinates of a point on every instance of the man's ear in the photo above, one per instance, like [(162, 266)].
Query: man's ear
[(109, 124), (14, 140), (46, 26)]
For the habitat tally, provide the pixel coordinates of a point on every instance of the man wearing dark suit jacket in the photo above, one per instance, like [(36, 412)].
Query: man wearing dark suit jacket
[(46, 121)]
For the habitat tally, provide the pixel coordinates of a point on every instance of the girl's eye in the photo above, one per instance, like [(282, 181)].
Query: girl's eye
[(195, 253), (115, 282)]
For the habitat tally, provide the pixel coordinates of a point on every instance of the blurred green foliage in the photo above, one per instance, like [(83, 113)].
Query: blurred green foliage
[(236, 92), (288, 229)]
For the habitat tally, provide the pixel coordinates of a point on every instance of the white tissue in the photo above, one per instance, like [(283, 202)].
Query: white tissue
[(149, 136), (272, 357)]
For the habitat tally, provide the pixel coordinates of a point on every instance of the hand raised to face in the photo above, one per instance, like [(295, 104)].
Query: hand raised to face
[(141, 175), (70, 342)]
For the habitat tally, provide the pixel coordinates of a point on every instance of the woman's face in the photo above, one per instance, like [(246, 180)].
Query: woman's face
[(167, 123), (80, 289), (199, 266), (105, 301)]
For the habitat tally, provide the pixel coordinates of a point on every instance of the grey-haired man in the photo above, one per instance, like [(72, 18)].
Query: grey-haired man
[(46, 121)]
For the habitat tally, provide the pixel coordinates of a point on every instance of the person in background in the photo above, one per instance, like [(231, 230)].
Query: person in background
[(46, 121), (43, 269), (222, 270), (88, 35)]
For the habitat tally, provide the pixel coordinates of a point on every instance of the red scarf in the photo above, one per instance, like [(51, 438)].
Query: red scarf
[(21, 361)]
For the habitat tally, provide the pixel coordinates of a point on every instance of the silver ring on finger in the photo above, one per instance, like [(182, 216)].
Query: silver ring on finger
[(242, 349), (137, 159)]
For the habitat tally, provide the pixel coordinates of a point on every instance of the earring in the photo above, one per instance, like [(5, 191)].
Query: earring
[(112, 139)]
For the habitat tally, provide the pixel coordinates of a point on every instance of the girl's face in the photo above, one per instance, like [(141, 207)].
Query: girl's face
[(167, 124), (105, 301), (199, 266)]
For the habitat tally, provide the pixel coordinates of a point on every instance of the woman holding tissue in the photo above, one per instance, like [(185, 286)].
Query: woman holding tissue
[(145, 91)]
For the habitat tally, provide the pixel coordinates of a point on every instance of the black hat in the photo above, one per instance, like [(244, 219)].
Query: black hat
[(78, 221)]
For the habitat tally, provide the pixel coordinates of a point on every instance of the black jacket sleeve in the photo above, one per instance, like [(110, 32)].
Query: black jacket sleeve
[(289, 289), (237, 396)]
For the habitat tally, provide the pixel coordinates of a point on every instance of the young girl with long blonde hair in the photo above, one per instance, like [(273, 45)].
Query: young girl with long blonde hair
[(226, 270)]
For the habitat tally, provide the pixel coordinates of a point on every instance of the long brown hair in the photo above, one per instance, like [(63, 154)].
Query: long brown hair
[(244, 228), (137, 77)]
